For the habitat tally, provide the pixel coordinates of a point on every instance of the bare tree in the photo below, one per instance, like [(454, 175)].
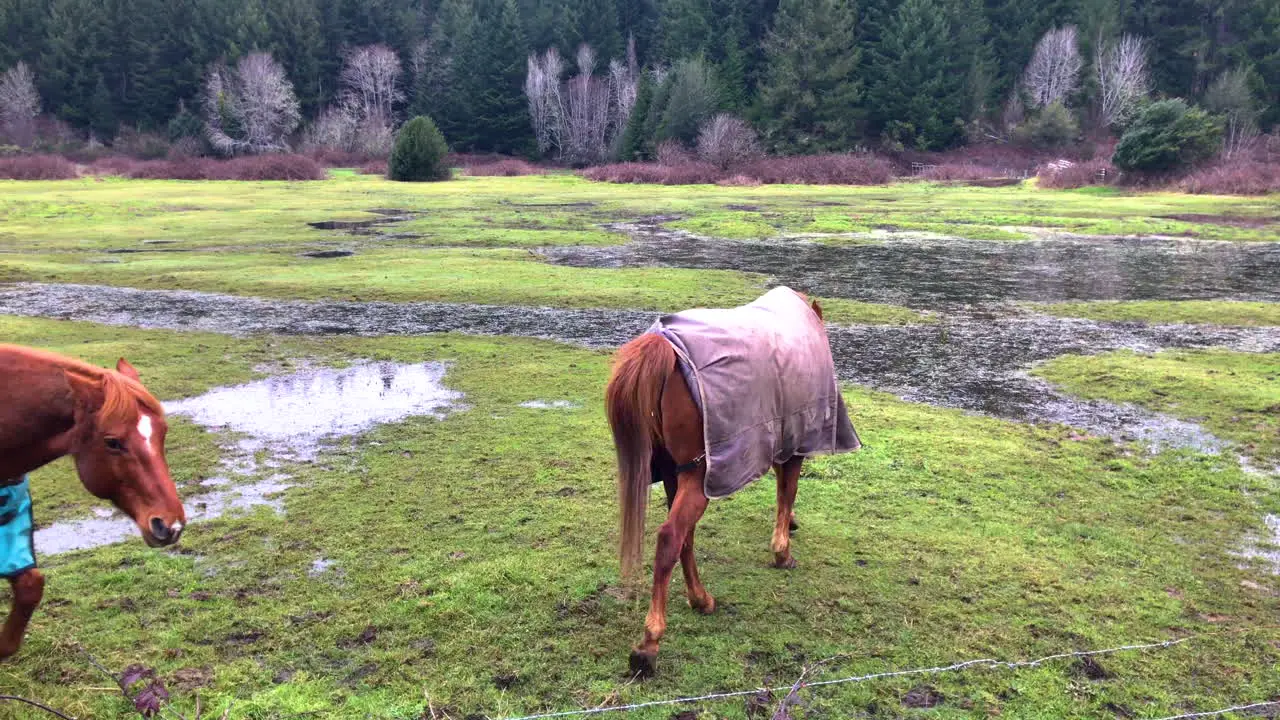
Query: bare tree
[(251, 108), (587, 116), (543, 90), (1230, 97), (1054, 68), (333, 129), (19, 104), (581, 118), (371, 81), (1122, 78), (726, 141)]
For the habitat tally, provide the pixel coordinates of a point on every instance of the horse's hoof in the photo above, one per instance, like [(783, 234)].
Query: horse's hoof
[(787, 563), (706, 606), (643, 665), (794, 526)]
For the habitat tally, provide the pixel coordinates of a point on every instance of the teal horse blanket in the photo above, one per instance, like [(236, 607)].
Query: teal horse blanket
[(17, 548), (765, 383)]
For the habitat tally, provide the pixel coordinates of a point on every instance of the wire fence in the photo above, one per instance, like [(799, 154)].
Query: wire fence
[(801, 683), (987, 663)]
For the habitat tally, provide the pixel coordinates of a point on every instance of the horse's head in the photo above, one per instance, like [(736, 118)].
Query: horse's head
[(120, 455)]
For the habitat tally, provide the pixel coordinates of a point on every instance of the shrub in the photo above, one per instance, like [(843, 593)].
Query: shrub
[(1052, 127), (141, 145), (256, 167), (373, 167), (726, 140), (113, 165), (672, 152), (273, 167), (1077, 175), (836, 169), (799, 170), (1168, 135), (1235, 178), (654, 174), (953, 171), (36, 167), (419, 153), (509, 167)]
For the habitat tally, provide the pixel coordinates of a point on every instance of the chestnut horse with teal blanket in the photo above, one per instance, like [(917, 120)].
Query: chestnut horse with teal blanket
[(114, 428), (707, 402)]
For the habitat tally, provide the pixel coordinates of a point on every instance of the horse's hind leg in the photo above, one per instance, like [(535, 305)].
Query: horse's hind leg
[(28, 589), (690, 502), (699, 598), (788, 481)]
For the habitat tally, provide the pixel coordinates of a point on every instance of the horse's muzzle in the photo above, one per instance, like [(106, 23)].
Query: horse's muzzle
[(162, 534)]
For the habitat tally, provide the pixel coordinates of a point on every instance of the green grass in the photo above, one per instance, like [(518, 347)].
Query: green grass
[(1235, 395), (96, 214), (1194, 312), (480, 549)]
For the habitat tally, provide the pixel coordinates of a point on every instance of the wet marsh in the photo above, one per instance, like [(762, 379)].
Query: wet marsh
[(1054, 426)]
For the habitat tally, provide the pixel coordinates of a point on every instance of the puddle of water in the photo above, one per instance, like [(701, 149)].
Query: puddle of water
[(550, 405), (1256, 554), (319, 567), (934, 272), (292, 415), (289, 419)]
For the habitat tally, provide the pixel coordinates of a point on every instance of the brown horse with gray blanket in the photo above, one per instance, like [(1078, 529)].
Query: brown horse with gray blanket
[(706, 402)]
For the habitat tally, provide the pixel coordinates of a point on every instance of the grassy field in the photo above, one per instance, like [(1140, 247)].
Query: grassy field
[(474, 570)]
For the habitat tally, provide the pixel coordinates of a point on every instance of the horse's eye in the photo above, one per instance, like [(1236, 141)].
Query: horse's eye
[(115, 445)]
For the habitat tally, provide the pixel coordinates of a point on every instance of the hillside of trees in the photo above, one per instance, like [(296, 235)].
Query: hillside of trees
[(591, 80)]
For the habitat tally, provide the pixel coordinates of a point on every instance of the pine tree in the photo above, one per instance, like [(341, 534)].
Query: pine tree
[(295, 38), (635, 142), (597, 23), (810, 96), (918, 97), (496, 64), (686, 28), (639, 19), (440, 91)]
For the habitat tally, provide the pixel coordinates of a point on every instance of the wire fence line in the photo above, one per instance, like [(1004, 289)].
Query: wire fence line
[(987, 663), (799, 684)]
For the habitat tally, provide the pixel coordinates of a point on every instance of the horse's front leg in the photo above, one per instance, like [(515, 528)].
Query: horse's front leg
[(788, 482), (690, 502), (28, 589)]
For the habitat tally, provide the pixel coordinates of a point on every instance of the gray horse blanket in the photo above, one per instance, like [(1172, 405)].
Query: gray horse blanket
[(763, 378)]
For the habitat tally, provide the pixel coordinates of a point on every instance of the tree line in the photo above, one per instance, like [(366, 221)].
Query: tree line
[(809, 75)]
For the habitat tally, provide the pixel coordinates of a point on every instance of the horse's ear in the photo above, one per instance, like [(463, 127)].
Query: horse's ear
[(124, 368), (816, 308)]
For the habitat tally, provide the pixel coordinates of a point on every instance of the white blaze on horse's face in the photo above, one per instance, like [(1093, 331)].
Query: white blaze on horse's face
[(144, 429)]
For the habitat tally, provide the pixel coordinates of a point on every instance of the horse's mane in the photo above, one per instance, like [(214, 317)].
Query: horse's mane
[(122, 396)]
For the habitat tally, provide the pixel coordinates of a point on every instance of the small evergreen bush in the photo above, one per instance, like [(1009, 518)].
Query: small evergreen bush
[(419, 153)]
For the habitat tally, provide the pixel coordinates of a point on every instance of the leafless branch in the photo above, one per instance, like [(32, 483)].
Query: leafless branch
[(19, 104), (251, 108), (371, 81), (1122, 78), (1054, 68)]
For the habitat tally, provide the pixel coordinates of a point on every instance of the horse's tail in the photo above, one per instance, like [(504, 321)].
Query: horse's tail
[(632, 402)]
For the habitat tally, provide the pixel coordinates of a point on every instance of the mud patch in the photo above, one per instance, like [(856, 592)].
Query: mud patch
[(973, 358), (1241, 221), (287, 419), (328, 254), (922, 696), (936, 273)]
